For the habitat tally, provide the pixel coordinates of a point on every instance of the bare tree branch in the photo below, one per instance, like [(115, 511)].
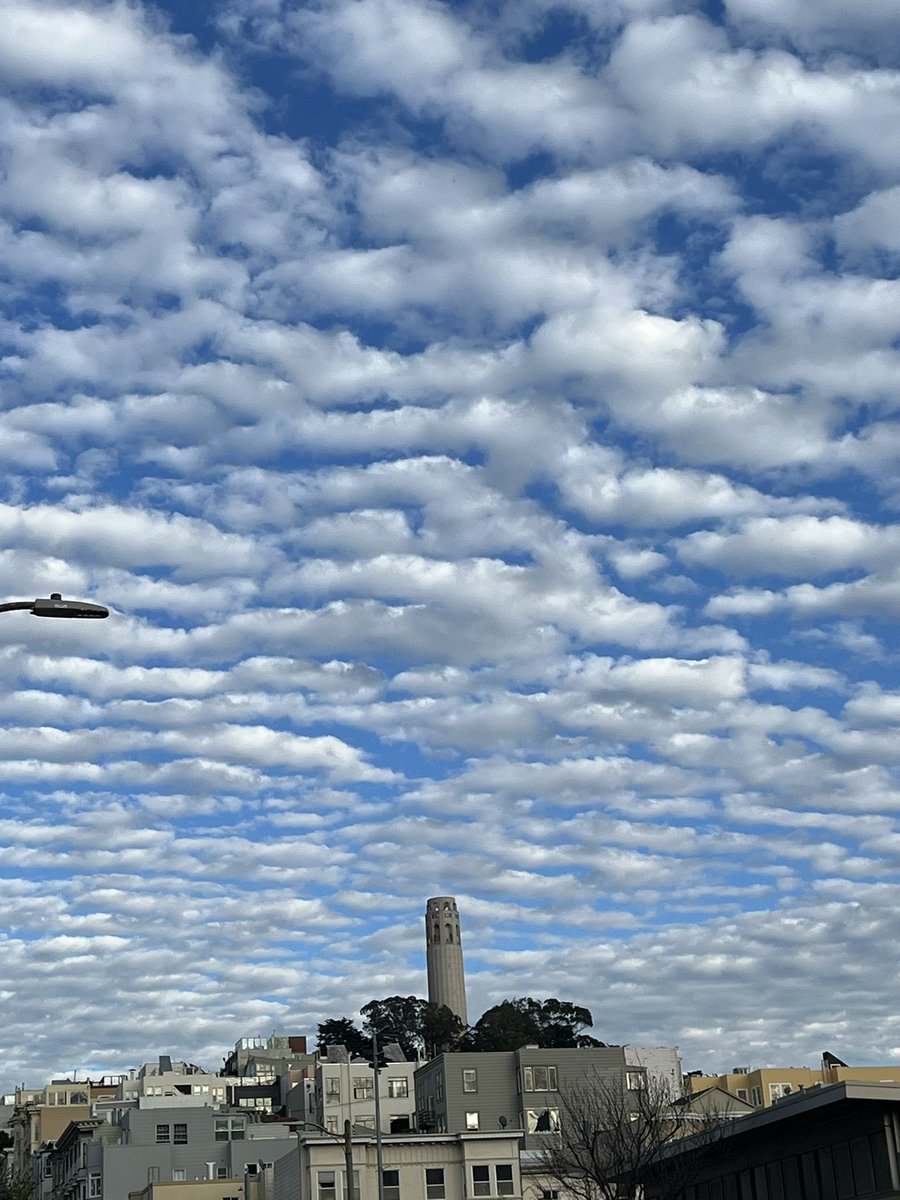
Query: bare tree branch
[(613, 1140)]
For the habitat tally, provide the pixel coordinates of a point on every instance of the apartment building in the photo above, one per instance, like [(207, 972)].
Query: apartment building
[(132, 1146), (345, 1091), (480, 1166), (41, 1114), (763, 1086), (479, 1092)]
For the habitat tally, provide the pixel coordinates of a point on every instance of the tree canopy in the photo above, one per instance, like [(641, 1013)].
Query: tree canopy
[(526, 1021), (417, 1026), (422, 1028)]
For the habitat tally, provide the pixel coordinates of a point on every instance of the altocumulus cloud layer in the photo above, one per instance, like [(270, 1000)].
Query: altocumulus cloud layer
[(481, 420)]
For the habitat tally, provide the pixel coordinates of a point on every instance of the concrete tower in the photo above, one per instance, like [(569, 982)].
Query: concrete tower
[(443, 943)]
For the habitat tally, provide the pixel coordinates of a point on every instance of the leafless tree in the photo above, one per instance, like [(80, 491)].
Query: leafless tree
[(615, 1142)]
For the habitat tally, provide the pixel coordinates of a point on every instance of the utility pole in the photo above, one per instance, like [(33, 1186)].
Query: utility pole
[(378, 1153)]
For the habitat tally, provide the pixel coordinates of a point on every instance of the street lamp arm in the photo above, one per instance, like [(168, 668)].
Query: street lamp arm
[(55, 606)]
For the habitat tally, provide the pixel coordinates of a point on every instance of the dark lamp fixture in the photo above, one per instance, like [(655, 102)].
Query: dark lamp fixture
[(55, 606)]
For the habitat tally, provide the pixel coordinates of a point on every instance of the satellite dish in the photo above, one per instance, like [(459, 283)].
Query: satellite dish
[(502, 1122)]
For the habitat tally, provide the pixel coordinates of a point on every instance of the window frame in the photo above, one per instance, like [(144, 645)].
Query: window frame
[(435, 1189), (470, 1079)]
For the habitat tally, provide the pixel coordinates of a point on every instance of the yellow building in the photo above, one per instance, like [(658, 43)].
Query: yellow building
[(762, 1086)]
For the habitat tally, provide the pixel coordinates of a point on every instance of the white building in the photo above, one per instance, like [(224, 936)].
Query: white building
[(462, 1166), (345, 1091)]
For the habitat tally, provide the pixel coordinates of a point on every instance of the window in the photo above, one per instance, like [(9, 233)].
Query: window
[(179, 1134), (481, 1181), (230, 1129), (179, 1174), (355, 1192), (434, 1183), (331, 1124), (333, 1088), (542, 1120), (162, 1133), (741, 1093), (153, 1174), (777, 1090), (221, 1172), (397, 1088), (327, 1189), (504, 1179), (94, 1187), (390, 1185), (549, 1194), (470, 1080), (439, 1088), (635, 1080), (362, 1087), (471, 1121), (539, 1079), (756, 1096)]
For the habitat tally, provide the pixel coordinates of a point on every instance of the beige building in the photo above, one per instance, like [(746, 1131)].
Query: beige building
[(461, 1166), (41, 1114), (763, 1086), (196, 1189)]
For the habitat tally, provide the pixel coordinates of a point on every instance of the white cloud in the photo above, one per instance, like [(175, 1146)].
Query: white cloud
[(401, 402)]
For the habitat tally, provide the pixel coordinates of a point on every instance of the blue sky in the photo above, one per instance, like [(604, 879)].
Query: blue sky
[(481, 421)]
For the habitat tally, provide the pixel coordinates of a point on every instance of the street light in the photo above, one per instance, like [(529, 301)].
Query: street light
[(55, 606)]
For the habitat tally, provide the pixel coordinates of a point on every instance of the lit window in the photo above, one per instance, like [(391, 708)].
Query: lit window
[(390, 1181), (635, 1080), (542, 1120), (470, 1080), (504, 1179), (434, 1183), (179, 1175), (471, 1120), (481, 1181), (397, 1088)]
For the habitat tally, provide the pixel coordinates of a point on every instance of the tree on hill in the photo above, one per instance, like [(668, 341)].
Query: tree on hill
[(416, 1025), (526, 1021), (341, 1031)]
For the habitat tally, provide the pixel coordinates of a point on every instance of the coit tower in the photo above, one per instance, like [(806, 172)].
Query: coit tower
[(443, 946)]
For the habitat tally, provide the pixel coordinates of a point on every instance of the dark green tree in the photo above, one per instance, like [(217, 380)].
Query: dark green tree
[(525, 1021), (15, 1186), (416, 1025), (341, 1031)]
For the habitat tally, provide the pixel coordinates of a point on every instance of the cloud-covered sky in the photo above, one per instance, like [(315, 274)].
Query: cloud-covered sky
[(480, 418)]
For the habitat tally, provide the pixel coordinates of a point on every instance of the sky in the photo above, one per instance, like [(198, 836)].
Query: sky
[(480, 419)]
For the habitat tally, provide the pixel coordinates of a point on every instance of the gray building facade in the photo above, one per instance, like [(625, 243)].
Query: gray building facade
[(520, 1089)]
